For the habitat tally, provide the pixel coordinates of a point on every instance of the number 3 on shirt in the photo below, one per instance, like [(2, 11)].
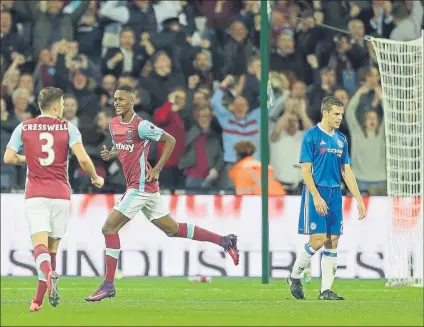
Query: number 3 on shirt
[(47, 148)]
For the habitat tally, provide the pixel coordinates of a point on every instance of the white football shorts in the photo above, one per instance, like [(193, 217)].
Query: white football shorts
[(47, 215), (150, 204)]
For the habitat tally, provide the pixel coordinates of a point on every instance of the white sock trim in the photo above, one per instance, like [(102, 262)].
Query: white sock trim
[(114, 253)]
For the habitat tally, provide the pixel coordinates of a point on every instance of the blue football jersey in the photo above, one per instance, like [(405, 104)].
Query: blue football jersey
[(327, 153)]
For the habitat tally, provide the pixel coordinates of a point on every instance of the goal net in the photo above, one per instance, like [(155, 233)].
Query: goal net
[(401, 70)]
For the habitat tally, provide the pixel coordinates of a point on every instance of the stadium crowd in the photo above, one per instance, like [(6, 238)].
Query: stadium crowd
[(196, 71)]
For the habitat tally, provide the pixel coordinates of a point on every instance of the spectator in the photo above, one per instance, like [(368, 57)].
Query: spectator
[(11, 77), (309, 40), (50, 26), (309, 34), (9, 121), (357, 30), (129, 58), (11, 43), (251, 82), (246, 173), (284, 58), (138, 15), (107, 91), (202, 160), (378, 19), (201, 67), (115, 179), (237, 50), (219, 15), (128, 79), (168, 118), (346, 60), (247, 14), (73, 81), (179, 9), (26, 82), (45, 69), (20, 99), (324, 84), (337, 13), (8, 174), (368, 147), (70, 109), (89, 33), (408, 23), (162, 80), (81, 61), (237, 122), (286, 140), (370, 100)]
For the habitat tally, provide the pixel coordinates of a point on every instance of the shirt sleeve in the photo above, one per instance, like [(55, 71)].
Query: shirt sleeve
[(149, 131), (346, 156), (306, 149), (74, 135), (15, 142)]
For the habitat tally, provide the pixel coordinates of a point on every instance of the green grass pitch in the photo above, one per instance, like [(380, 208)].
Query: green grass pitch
[(224, 302)]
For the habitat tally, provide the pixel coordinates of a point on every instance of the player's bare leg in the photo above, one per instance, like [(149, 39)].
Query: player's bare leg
[(114, 222), (44, 268), (174, 229), (303, 259), (329, 268)]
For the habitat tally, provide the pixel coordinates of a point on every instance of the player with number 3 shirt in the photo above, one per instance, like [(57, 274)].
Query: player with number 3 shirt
[(46, 141)]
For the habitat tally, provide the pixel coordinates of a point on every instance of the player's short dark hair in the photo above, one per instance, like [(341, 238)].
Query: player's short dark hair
[(48, 96), (127, 88), (329, 101)]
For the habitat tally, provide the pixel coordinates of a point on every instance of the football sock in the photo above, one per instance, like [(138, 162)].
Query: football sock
[(302, 261), (328, 268), (53, 260), (194, 232), (41, 290), (113, 248), (42, 262)]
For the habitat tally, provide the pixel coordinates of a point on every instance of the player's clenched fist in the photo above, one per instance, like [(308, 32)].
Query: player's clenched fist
[(105, 153), (320, 206), (98, 181)]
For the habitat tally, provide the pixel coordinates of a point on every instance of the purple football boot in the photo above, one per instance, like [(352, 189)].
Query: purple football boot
[(105, 290)]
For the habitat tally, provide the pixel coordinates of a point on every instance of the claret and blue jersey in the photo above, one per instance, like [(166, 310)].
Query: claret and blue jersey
[(327, 153), (132, 141)]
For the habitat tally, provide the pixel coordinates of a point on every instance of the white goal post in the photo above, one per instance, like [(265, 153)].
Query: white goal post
[(401, 69)]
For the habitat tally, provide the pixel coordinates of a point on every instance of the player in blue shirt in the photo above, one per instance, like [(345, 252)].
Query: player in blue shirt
[(324, 160)]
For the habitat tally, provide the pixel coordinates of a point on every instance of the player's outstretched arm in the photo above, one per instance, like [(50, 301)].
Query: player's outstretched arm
[(86, 164), (11, 157), (352, 185), (169, 140)]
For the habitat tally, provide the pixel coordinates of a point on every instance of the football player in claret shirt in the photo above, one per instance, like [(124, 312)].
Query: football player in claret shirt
[(46, 141), (324, 160), (132, 137)]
